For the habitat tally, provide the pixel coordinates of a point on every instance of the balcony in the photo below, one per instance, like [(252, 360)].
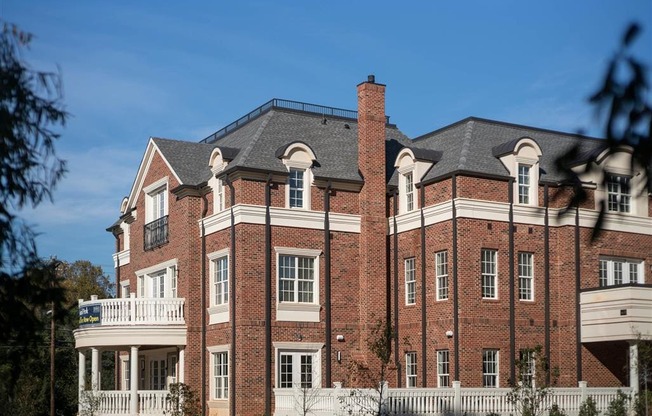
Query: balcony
[(616, 313), (156, 233), (118, 402), (131, 321)]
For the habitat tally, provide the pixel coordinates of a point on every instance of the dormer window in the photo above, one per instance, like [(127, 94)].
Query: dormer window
[(409, 192), (298, 158), (217, 164), (521, 159), (296, 185), (618, 193), (156, 214), (524, 188)]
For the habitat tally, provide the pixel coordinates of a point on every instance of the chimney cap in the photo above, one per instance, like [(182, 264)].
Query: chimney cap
[(371, 78)]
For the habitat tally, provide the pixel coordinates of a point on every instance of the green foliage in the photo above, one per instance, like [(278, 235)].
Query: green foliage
[(618, 406), (530, 392), (555, 410), (643, 403), (30, 110), (588, 408), (181, 401), (621, 103)]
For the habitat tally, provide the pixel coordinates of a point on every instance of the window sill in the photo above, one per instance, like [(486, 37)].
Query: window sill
[(298, 312), (218, 314), (218, 403)]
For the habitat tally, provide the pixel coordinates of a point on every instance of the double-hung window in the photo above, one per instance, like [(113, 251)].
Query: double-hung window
[(221, 375), (410, 282), (618, 193), (156, 215), (620, 271), (489, 274), (443, 368), (441, 271), (490, 368), (411, 369), (219, 195), (524, 184), (221, 281), (296, 184), (525, 276), (409, 192), (527, 367), (296, 279)]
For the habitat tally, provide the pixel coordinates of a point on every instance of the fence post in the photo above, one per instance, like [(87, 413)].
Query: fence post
[(336, 392), (583, 393), (384, 391), (457, 399)]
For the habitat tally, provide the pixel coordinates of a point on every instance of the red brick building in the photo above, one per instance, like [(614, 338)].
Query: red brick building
[(261, 258)]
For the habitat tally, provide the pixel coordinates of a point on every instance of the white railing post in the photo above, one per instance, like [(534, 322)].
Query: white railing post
[(133, 381), (457, 399), (583, 394), (132, 307), (337, 392)]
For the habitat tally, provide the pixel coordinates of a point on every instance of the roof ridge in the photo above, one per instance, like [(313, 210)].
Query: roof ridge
[(265, 119), (466, 143)]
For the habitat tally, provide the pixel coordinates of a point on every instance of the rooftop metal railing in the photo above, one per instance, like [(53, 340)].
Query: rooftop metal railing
[(288, 105)]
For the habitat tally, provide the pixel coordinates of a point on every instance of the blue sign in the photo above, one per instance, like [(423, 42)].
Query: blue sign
[(90, 315)]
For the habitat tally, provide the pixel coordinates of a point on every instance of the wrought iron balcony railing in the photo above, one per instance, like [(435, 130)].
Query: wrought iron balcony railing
[(156, 233)]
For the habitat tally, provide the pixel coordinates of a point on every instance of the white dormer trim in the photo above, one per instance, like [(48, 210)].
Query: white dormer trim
[(143, 169), (298, 156), (618, 163), (407, 164), (217, 162), (524, 163)]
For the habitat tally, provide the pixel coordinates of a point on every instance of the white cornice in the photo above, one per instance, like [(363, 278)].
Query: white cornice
[(523, 214), (281, 217), (121, 258), (107, 336)]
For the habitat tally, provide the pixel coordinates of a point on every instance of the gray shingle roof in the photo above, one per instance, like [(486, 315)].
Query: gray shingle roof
[(471, 145)]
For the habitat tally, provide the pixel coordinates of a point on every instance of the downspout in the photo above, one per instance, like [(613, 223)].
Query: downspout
[(456, 298), (578, 327), (512, 313), (327, 281), (268, 297), (118, 288), (203, 305), (424, 382), (397, 359), (232, 386), (546, 284)]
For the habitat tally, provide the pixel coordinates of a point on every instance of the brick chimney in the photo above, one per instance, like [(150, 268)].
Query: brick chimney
[(372, 203)]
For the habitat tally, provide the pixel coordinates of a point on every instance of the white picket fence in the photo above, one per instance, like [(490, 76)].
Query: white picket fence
[(429, 401)]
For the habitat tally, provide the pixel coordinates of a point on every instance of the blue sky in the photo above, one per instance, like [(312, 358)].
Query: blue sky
[(183, 70)]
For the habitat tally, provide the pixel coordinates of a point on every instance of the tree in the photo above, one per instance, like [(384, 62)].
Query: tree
[(24, 374), (621, 105), (530, 395), (30, 110), (371, 400)]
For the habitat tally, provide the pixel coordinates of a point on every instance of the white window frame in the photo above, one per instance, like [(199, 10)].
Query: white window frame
[(410, 281), (296, 350), (411, 369), (489, 273), (155, 207), (125, 289), (149, 276), (615, 271), (126, 371), (294, 310), (441, 274), (528, 367), (218, 312), (158, 381), (524, 180), (218, 196), (443, 368), (304, 167), (525, 276), (219, 383), (618, 189), (490, 368)]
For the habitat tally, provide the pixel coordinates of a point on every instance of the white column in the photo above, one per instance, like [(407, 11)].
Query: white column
[(182, 364), (82, 377), (133, 362), (95, 365), (633, 366)]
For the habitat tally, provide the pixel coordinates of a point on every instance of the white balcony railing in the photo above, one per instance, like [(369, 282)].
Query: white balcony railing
[(131, 311), (117, 402)]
